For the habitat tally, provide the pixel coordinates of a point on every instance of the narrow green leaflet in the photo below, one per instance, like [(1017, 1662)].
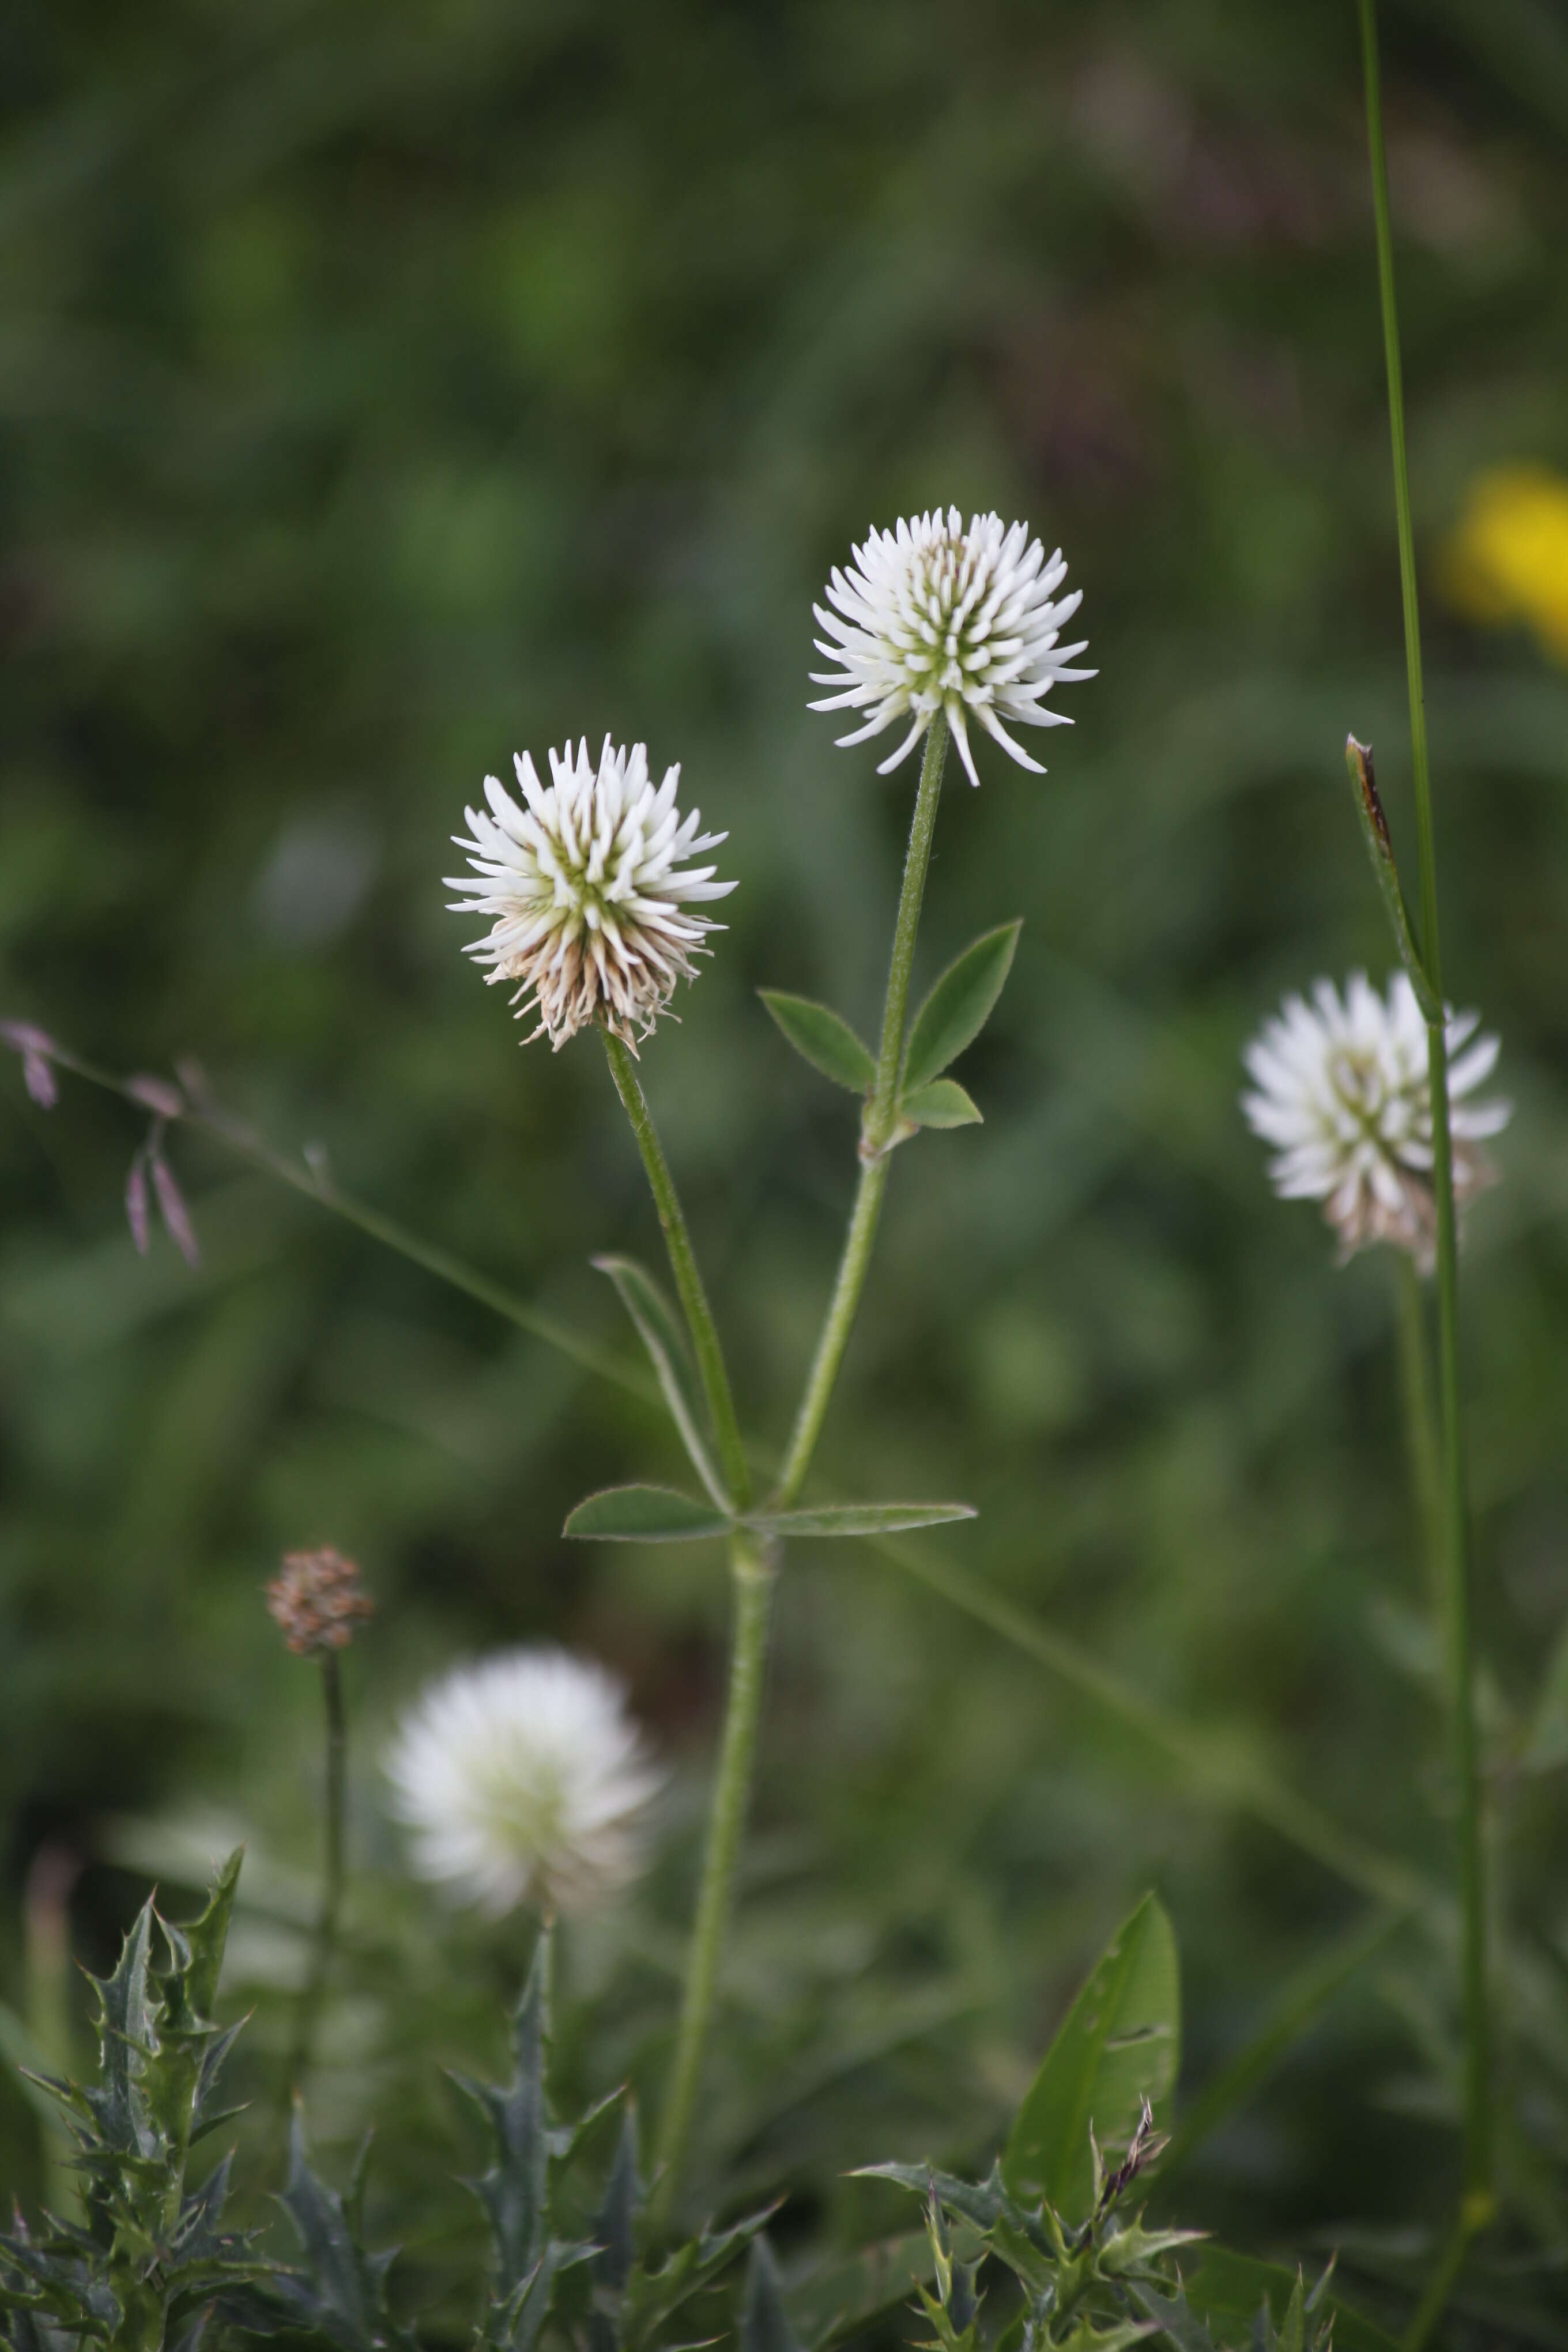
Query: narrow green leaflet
[(1380, 850), (960, 1005), (1119, 2044), (646, 1515), (941, 1103), (660, 1330), (860, 1519), (825, 1040)]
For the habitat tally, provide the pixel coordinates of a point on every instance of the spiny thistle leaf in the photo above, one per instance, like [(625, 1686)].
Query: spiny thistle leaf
[(340, 2290), (764, 2322)]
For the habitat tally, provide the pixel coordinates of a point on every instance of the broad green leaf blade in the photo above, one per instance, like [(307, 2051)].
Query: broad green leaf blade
[(1229, 2289), (941, 1102), (1118, 2045), (660, 1330), (825, 1040), (860, 1519), (646, 1515), (960, 1004), (843, 2296)]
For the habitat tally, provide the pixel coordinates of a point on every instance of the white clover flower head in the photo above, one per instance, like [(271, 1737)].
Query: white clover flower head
[(523, 1780), (1341, 1089), (932, 617), (588, 893)]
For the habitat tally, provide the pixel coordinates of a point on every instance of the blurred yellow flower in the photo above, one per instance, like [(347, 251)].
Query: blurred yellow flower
[(1507, 559)]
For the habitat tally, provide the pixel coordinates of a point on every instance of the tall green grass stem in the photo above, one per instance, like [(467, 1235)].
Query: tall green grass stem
[(1423, 1456), (687, 1279), (333, 1875), (1474, 1987), (881, 1115), (753, 1567)]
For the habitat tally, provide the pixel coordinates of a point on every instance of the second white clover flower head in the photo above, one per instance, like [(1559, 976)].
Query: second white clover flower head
[(590, 901), (524, 1780), (932, 617), (1341, 1089)]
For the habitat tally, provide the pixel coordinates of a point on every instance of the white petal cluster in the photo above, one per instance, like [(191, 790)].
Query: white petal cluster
[(932, 617), (523, 1780), (1341, 1089), (587, 890)]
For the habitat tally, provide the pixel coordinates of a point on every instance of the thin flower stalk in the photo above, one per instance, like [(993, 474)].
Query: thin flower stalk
[(881, 1117), (753, 1567), (324, 1941), (1479, 2161)]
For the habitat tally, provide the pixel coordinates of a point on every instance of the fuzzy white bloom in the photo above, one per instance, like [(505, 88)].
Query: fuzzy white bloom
[(585, 883), (932, 617), (523, 1778), (1342, 1091)]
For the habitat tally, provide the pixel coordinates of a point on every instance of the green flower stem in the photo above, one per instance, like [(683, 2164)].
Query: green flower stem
[(753, 1571), (324, 1941), (881, 1115), (687, 1279), (1423, 1459), (1478, 2071)]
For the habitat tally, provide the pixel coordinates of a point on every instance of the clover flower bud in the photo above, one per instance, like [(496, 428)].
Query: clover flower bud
[(590, 901), (1342, 1089), (523, 1778), (932, 617), (316, 1599)]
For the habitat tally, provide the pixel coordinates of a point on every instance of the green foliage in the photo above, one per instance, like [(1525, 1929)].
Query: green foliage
[(660, 1328), (1117, 2050), (154, 2254), (645, 1515), (824, 1039), (941, 1103), (958, 1008)]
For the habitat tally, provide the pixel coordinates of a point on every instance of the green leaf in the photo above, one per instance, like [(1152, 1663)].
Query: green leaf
[(941, 1102), (958, 1006), (1228, 2289), (660, 1329), (646, 1515), (513, 2190), (341, 2292), (844, 2295), (1118, 2045), (764, 2322), (860, 1519), (825, 1040)]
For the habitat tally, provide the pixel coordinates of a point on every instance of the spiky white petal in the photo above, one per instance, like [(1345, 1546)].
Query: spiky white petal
[(932, 617), (585, 883), (523, 1779), (1341, 1089)]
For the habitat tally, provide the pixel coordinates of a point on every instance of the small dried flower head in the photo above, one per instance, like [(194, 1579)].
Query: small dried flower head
[(316, 1598), (1341, 1089), (932, 617), (590, 901), (523, 1778)]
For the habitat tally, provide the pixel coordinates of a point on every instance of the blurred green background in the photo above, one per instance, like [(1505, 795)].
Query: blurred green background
[(384, 389)]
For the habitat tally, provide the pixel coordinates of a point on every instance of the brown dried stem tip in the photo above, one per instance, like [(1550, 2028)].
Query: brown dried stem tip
[(316, 1600)]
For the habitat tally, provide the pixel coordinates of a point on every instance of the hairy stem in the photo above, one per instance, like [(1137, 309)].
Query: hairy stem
[(753, 1571), (687, 1279), (324, 1941), (882, 1114), (1478, 2072)]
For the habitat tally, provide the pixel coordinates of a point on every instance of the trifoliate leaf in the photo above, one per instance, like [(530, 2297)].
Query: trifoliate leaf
[(824, 1039), (958, 1006)]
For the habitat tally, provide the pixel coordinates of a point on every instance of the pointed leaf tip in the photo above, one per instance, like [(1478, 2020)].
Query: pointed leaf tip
[(960, 1005)]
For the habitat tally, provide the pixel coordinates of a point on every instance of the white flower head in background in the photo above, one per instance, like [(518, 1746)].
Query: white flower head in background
[(584, 882), (523, 1780), (932, 617), (1342, 1090)]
